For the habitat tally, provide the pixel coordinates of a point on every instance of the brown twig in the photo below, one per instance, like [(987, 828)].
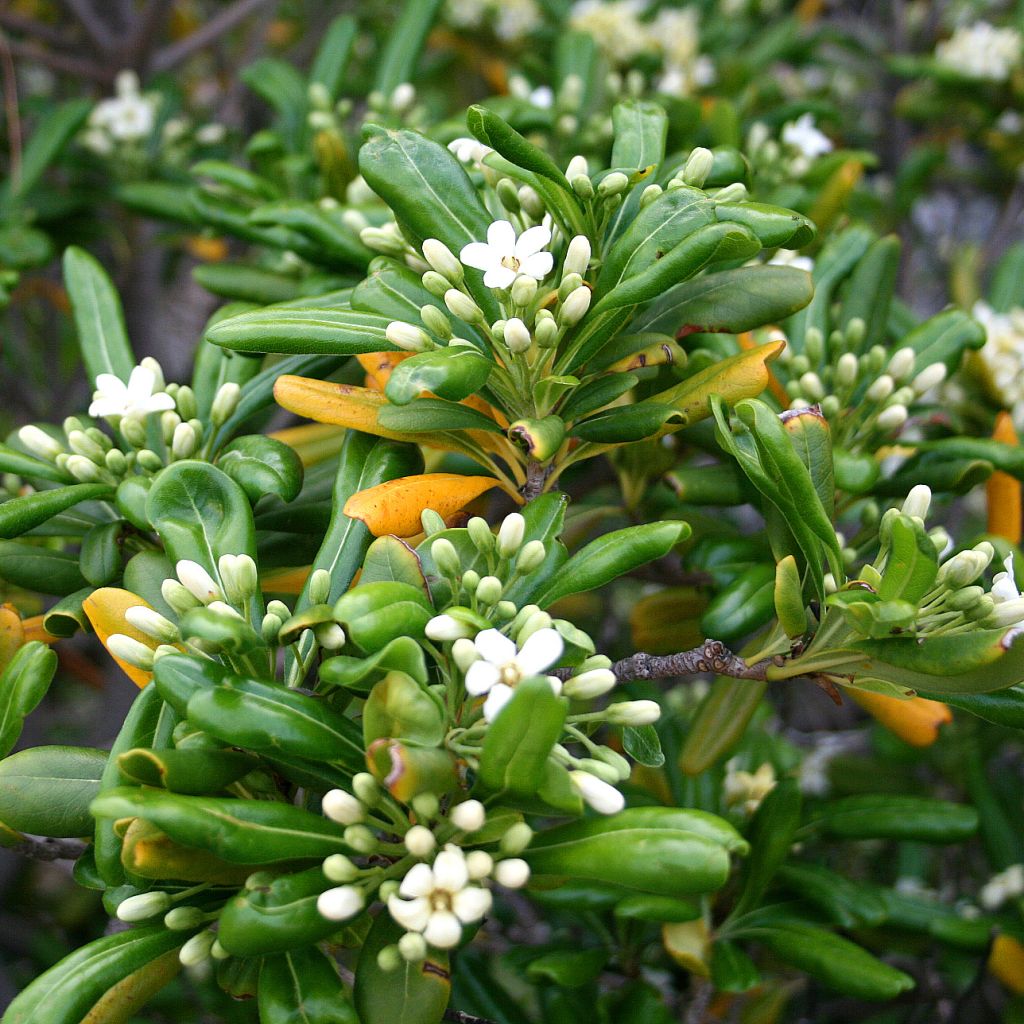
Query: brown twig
[(49, 849), (97, 30), (711, 656), (209, 33), (10, 80), (35, 29), (62, 62)]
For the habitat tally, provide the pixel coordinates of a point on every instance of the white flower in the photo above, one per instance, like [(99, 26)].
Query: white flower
[(792, 258), (138, 397), (803, 135), (502, 666), (437, 900), (981, 51), (127, 116), (1002, 355), (999, 888), (543, 96), (469, 151), (614, 25), (515, 19), (503, 257), (748, 788), (1004, 584)]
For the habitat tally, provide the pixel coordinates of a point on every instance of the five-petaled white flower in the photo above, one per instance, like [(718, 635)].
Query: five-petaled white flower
[(803, 135), (503, 257), (501, 666), (437, 900), (115, 398)]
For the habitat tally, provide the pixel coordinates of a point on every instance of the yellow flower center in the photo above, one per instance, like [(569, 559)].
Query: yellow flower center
[(510, 263)]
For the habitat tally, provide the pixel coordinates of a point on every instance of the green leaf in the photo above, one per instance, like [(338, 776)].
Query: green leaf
[(612, 555), (721, 722), (773, 225), (23, 684), (1004, 707), (625, 423), (405, 40), (424, 415), (897, 817), (844, 901), (100, 555), (276, 916), (568, 968), (40, 569), (99, 318), (262, 465), (68, 991), (238, 831), (13, 461), (639, 129), (642, 744), (390, 559), (200, 514), (730, 301), (771, 836), (46, 791), (332, 56), (869, 294), (403, 654), (191, 771), (301, 330), (520, 739), (400, 708), (413, 993), (454, 373), (284, 88), (912, 563), (303, 987), (834, 961)]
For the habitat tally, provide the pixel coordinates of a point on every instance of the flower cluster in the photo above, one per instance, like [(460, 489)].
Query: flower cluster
[(512, 21), (981, 51), (1001, 359), (125, 119)]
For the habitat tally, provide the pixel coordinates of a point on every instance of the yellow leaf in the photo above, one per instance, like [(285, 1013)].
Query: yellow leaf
[(379, 366), (741, 376), (747, 343), (312, 442), (687, 943), (121, 1002), (344, 405), (105, 608), (1002, 491), (832, 198), (1006, 962), (915, 721), (12, 634), (284, 581), (395, 506)]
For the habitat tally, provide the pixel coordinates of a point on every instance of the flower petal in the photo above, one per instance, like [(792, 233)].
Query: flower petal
[(443, 930), (450, 871), (499, 696), (141, 382), (110, 385), (541, 650), (499, 277), (479, 255), (418, 881), (538, 265), (471, 904), (502, 237), (532, 240), (481, 676), (495, 647), (412, 915)]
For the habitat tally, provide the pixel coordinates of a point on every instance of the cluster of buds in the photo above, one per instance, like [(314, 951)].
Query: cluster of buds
[(434, 881), (866, 397), (90, 455)]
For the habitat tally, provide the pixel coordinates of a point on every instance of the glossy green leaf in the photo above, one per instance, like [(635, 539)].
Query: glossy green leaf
[(40, 569), (912, 563), (100, 556), (642, 744), (194, 772), (299, 330), (897, 817), (46, 791), (612, 555), (13, 461), (843, 900), (237, 831), (405, 41), (23, 684), (774, 226), (400, 708), (403, 654), (454, 373), (568, 968), (303, 987), (19, 515), (771, 835), (99, 318), (425, 415), (262, 465)]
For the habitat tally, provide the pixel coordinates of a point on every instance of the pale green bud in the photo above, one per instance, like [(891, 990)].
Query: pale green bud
[(811, 386), (462, 306), (318, 587), (84, 470), (613, 184), (270, 627), (197, 949), (180, 919), (443, 261), (464, 653), (130, 650), (538, 620), (546, 332), (143, 906), (517, 335), (390, 958), (814, 345), (185, 400), (575, 307), (855, 332), (577, 256), (516, 839), (531, 556), (436, 322), (412, 947), (436, 283), (508, 195), (470, 581), (931, 376), (446, 558), (582, 186), (489, 590), (366, 788), (846, 370), (408, 337), (133, 430), (505, 610), (881, 388), (649, 194), (361, 839), (169, 422), (588, 685), (329, 635), (480, 534), (432, 522), (569, 284), (531, 202), (40, 443), (178, 596), (902, 363), (523, 290), (148, 460), (152, 623), (893, 418), (81, 444), (420, 841), (698, 166), (184, 441), (734, 193), (510, 534), (633, 712), (602, 771), (426, 805), (225, 403), (116, 462)]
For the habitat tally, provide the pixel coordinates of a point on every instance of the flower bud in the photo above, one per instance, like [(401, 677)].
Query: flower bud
[(225, 402), (143, 906), (318, 586), (82, 444), (582, 186), (698, 166), (649, 194), (613, 184), (510, 534), (182, 919), (390, 958), (116, 462), (152, 623), (432, 522), (84, 470), (602, 797), (531, 202), (931, 376), (446, 558), (408, 337), (902, 363), (341, 903), (546, 332), (462, 306), (577, 165), (962, 569), (577, 256), (589, 685), (442, 260), (420, 841), (846, 370), (633, 712), (436, 284), (470, 581), (342, 807), (198, 581), (1006, 613), (512, 873), (531, 556), (517, 335), (516, 838), (413, 947), (964, 600), (270, 627), (361, 839), (178, 596), (403, 97), (338, 868), (811, 386), (464, 653), (366, 788), (892, 418), (574, 307), (537, 621), (130, 650), (881, 388), (918, 501), (443, 628), (239, 576), (479, 864), (436, 322), (469, 816), (489, 589), (197, 949), (605, 772), (40, 443), (524, 288), (508, 195)]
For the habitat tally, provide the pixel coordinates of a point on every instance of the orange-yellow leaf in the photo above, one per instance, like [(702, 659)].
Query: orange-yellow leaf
[(12, 634), (209, 250), (379, 366), (687, 943), (33, 629), (1006, 962), (1003, 492), (344, 405), (395, 506), (748, 343), (284, 581), (915, 721), (105, 608)]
